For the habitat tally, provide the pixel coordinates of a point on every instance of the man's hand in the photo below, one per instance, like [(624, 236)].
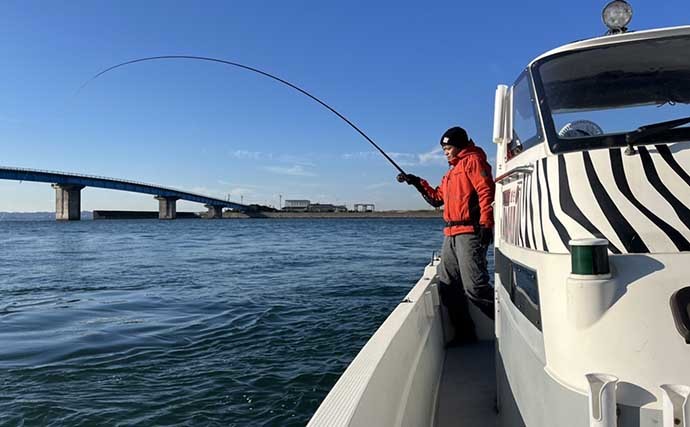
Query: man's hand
[(409, 179), (423, 189), (486, 236)]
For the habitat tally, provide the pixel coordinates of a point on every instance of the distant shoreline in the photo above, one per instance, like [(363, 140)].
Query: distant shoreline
[(336, 215), (115, 215)]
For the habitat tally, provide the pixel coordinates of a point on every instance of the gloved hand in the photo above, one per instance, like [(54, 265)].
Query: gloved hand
[(486, 236), (409, 179)]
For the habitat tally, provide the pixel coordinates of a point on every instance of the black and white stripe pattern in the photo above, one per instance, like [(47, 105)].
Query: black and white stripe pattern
[(638, 203)]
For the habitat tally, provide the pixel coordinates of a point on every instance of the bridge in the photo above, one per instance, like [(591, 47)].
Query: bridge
[(68, 188)]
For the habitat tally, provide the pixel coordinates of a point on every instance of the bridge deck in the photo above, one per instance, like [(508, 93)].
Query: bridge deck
[(64, 178)]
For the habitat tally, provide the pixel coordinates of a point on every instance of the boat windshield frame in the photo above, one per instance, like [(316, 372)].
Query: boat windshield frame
[(608, 140)]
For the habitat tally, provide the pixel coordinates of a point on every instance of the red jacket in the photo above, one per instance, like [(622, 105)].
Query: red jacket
[(467, 191)]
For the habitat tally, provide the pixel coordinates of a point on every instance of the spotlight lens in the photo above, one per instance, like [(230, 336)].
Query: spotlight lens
[(617, 15)]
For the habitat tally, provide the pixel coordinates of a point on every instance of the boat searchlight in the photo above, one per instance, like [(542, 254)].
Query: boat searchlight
[(617, 15)]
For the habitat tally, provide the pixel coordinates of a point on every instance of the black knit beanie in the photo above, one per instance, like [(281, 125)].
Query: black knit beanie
[(455, 136)]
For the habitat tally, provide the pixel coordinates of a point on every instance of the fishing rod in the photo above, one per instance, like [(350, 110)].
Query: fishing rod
[(255, 70)]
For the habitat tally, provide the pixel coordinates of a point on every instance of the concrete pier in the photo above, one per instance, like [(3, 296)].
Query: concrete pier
[(167, 207), (67, 202), (214, 211)]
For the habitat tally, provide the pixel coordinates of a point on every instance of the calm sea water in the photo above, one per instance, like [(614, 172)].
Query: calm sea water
[(192, 322)]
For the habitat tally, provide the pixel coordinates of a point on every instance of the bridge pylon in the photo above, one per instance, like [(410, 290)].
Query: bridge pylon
[(67, 202), (167, 208), (214, 211)]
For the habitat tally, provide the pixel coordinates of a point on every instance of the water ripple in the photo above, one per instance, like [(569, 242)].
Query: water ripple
[(193, 322)]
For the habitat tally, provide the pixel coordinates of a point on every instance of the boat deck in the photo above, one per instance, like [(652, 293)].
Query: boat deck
[(467, 394)]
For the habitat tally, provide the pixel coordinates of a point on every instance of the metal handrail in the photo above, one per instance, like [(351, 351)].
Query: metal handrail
[(519, 169)]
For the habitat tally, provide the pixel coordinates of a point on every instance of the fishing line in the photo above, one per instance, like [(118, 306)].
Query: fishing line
[(256, 70)]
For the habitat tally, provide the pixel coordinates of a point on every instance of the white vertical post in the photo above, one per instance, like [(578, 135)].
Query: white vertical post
[(676, 408), (499, 114), (602, 400)]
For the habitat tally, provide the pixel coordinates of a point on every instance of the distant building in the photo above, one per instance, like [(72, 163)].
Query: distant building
[(326, 207), (307, 206), (364, 207), (296, 205)]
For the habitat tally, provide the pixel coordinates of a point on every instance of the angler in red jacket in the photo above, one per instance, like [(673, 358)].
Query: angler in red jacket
[(467, 191)]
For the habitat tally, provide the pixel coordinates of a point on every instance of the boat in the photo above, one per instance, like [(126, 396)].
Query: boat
[(591, 258)]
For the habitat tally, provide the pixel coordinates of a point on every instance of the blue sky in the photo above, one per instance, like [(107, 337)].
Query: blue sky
[(402, 71)]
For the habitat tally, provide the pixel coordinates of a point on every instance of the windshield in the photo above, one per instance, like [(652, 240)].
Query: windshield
[(591, 98)]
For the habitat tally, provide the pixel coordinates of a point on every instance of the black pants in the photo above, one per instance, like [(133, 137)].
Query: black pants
[(464, 275)]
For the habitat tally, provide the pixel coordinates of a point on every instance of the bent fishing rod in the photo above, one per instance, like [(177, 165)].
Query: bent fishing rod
[(255, 70)]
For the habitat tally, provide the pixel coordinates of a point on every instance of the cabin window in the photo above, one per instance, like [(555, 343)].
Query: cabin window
[(525, 129), (599, 97), (522, 285), (526, 293)]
